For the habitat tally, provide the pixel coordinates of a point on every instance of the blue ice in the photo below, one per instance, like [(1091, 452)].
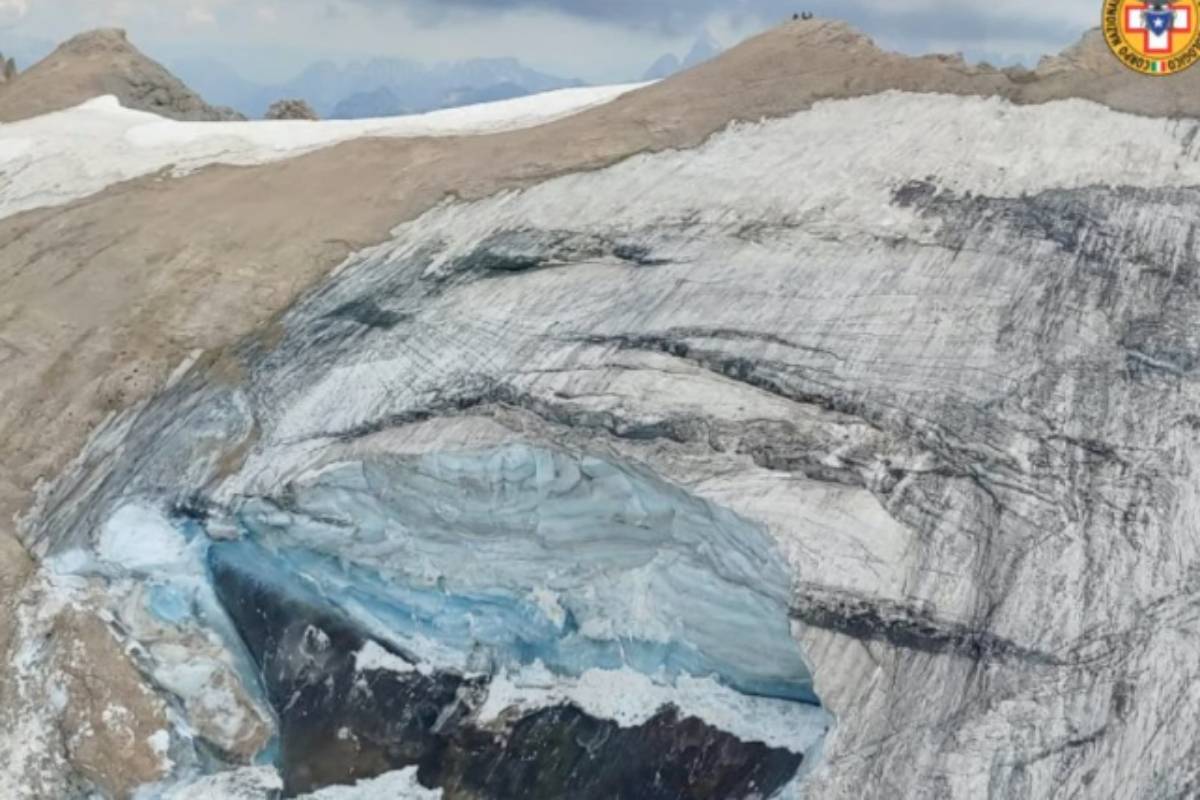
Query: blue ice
[(522, 554)]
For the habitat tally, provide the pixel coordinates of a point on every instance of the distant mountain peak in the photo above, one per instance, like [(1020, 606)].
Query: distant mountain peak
[(379, 102), (380, 87), (97, 63), (96, 41), (706, 41), (666, 65), (705, 48)]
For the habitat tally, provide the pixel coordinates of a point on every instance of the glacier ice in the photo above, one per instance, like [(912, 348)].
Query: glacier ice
[(539, 556), (888, 371), (525, 562), (551, 587)]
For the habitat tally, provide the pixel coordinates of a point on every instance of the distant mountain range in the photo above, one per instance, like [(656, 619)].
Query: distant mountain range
[(378, 87), (704, 49), (381, 102)]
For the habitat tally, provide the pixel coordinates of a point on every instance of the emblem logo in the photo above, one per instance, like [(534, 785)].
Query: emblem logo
[(1154, 37)]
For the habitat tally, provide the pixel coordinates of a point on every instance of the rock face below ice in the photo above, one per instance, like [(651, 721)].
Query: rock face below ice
[(538, 619), (341, 720), (925, 392)]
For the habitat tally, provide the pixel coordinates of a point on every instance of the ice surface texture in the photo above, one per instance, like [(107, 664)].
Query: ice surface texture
[(528, 554), (952, 376), (349, 706)]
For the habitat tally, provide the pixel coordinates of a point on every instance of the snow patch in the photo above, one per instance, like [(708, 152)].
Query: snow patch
[(160, 743), (400, 785), (138, 537), (63, 156), (631, 698), (247, 783), (374, 657)]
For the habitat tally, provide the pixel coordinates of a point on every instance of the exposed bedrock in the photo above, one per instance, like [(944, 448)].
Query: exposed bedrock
[(349, 709), (477, 614), (939, 414)]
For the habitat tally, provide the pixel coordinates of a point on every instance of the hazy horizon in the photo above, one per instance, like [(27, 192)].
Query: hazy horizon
[(596, 41)]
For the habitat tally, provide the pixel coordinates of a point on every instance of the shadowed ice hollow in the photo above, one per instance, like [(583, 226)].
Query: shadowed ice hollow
[(563, 577)]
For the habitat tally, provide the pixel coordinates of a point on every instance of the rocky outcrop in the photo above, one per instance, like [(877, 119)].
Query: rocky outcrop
[(8, 69), (76, 709), (291, 109), (98, 63), (114, 728)]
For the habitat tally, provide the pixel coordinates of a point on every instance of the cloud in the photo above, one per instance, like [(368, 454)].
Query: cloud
[(13, 11), (333, 13), (200, 14), (596, 40), (973, 19), (663, 16)]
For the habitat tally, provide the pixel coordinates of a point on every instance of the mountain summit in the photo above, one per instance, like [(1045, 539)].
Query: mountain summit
[(97, 63)]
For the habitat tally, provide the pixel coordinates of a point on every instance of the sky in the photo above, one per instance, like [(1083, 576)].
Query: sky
[(599, 41)]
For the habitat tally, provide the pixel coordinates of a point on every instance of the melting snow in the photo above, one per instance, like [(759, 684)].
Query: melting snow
[(400, 785), (140, 538), (372, 656), (60, 157)]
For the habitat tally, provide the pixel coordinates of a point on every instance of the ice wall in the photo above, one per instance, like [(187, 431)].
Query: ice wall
[(493, 607), (537, 555), (559, 589)]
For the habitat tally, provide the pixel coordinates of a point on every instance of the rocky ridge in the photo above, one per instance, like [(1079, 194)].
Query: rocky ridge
[(97, 63)]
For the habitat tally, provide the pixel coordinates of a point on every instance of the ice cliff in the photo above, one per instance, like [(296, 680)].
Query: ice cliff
[(848, 455)]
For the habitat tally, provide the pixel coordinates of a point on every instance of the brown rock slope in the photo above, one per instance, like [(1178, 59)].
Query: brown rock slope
[(101, 298), (98, 63)]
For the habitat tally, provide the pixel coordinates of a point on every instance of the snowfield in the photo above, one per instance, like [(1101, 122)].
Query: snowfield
[(56, 158)]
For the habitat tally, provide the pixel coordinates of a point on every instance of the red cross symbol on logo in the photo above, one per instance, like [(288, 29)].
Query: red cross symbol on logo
[(1158, 43)]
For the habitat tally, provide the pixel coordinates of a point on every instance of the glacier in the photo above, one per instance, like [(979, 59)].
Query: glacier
[(515, 582), (535, 556), (717, 446)]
